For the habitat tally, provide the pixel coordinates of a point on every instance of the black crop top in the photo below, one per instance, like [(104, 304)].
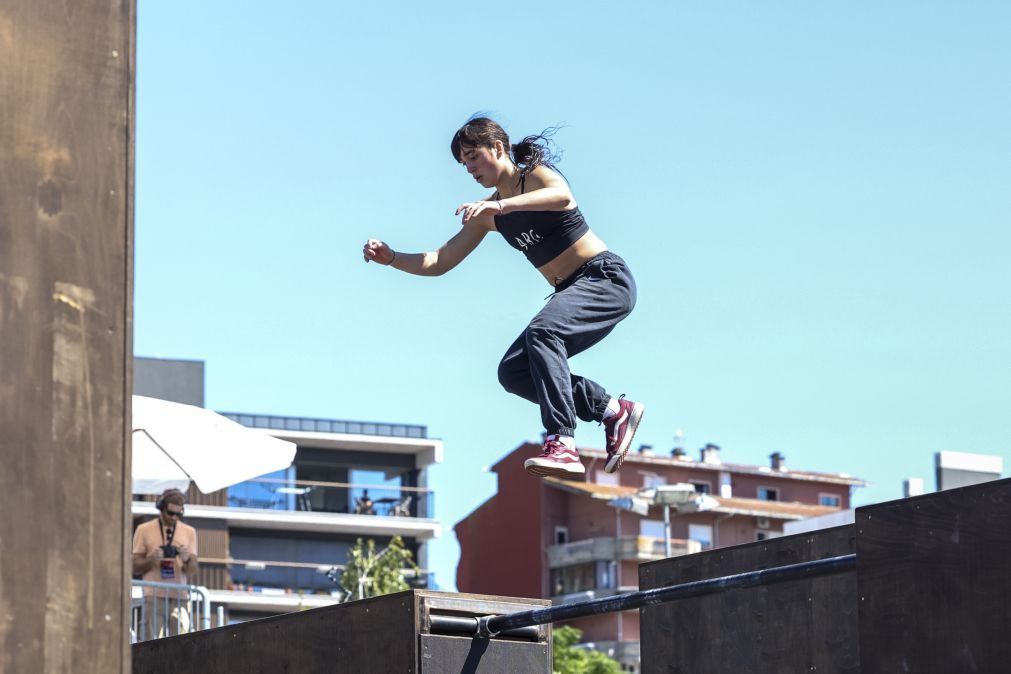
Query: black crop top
[(541, 235)]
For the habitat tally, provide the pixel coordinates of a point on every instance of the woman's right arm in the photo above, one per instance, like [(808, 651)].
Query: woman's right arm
[(434, 263)]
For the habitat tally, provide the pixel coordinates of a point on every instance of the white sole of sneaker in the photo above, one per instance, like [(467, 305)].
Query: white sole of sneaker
[(614, 463), (551, 469)]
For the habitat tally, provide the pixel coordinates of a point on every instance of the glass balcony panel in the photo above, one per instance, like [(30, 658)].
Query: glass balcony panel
[(359, 498)]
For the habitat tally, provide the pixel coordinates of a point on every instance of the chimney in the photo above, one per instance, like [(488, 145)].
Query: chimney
[(646, 449), (778, 461), (912, 486), (710, 453)]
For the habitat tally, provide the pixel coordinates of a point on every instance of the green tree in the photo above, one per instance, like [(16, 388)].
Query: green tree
[(371, 574), (570, 660)]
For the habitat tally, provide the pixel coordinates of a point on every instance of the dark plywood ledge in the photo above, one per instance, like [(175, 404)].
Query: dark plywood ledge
[(934, 581), (382, 634), (795, 626), (931, 592)]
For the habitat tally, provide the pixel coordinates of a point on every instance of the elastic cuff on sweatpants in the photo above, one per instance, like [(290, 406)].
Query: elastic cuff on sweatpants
[(602, 407), (567, 432)]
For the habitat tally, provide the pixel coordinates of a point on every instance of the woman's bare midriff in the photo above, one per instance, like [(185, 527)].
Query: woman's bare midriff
[(572, 258)]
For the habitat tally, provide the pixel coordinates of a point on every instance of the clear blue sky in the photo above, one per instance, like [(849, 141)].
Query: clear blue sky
[(815, 199)]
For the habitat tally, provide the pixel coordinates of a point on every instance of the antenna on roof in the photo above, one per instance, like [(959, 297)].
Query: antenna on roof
[(679, 444)]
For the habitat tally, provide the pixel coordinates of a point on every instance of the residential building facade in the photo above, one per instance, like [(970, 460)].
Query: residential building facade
[(266, 545), (578, 540)]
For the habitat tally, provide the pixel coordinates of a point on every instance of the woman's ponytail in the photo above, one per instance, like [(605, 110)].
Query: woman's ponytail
[(534, 151)]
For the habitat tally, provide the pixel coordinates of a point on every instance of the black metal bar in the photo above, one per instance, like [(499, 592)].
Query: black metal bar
[(464, 625), (489, 626)]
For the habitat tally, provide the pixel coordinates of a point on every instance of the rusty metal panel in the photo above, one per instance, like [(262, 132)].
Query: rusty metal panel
[(66, 224), (794, 626), (934, 581)]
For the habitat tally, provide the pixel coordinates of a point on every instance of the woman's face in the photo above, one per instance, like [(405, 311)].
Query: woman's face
[(482, 164)]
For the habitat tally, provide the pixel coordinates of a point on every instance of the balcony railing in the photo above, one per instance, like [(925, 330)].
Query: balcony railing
[(332, 497), (275, 577), (309, 425), (640, 548)]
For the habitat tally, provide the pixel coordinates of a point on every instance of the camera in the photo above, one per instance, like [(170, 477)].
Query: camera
[(169, 551)]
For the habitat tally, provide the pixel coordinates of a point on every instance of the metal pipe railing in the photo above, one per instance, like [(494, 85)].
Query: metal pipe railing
[(489, 626), (196, 595)]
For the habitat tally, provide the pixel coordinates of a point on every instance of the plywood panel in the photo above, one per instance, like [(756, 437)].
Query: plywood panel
[(373, 635), (66, 87), (463, 655), (383, 634), (934, 582), (795, 626)]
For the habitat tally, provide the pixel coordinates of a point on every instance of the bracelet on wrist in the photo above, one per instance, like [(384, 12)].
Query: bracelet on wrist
[(390, 263)]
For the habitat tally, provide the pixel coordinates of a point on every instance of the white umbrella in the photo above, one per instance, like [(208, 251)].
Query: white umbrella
[(175, 443)]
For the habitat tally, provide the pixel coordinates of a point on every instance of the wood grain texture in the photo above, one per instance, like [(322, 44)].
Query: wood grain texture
[(795, 626), (66, 200), (934, 582)]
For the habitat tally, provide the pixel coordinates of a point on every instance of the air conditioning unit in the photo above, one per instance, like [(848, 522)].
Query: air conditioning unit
[(763, 522)]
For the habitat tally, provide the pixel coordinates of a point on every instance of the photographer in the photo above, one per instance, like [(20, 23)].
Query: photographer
[(165, 551)]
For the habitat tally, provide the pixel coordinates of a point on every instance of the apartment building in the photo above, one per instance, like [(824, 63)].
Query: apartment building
[(266, 544), (579, 540)]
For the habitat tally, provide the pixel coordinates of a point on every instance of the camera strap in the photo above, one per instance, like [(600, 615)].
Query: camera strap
[(171, 533)]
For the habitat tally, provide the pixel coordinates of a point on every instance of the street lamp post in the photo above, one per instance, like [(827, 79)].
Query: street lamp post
[(668, 495)]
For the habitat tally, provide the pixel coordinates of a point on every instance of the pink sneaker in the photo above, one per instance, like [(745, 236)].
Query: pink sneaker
[(619, 431), (556, 460)]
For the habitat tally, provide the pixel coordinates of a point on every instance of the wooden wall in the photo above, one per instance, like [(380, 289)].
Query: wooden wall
[(66, 249), (931, 593), (796, 626), (934, 579), (391, 633)]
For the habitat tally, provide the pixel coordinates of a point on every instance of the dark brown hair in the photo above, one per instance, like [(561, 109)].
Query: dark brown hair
[(529, 153), (173, 496)]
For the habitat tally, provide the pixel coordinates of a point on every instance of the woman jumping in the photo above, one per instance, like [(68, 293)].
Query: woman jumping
[(533, 208)]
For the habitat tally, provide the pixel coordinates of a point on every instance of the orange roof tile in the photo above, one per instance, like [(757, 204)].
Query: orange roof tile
[(663, 460), (783, 510)]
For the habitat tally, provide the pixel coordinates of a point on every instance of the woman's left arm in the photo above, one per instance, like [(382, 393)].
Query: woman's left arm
[(546, 191)]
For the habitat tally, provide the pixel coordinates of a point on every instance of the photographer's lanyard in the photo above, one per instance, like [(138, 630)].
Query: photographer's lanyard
[(167, 566)]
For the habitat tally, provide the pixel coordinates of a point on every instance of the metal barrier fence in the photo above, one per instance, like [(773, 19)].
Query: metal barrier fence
[(167, 609)]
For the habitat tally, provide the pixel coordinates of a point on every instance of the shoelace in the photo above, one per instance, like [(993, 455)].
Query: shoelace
[(553, 448)]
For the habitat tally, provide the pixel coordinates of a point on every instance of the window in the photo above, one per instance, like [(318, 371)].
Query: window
[(703, 533), (701, 487), (652, 480), (768, 494), (651, 528), (606, 478), (561, 535), (581, 578), (831, 500)]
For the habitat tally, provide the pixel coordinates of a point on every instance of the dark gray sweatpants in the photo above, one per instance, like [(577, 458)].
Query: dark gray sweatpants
[(582, 311)]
